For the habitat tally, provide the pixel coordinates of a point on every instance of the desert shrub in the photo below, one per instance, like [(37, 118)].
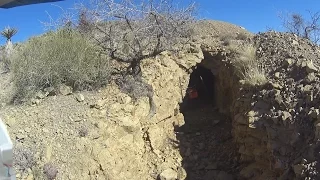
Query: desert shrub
[(248, 68), (50, 171), (23, 159), (226, 39), (83, 131), (241, 36), (63, 56), (305, 27)]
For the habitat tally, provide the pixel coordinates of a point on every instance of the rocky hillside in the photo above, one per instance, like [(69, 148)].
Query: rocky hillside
[(264, 131), (282, 134)]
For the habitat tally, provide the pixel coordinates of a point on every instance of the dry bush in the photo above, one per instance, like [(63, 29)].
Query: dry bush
[(23, 159), (226, 39), (247, 66), (130, 31), (50, 171), (64, 56), (242, 36), (308, 28), (83, 131)]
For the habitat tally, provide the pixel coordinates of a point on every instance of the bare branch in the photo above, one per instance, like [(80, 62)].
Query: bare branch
[(297, 24)]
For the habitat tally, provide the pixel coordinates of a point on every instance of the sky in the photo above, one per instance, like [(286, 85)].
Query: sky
[(254, 15)]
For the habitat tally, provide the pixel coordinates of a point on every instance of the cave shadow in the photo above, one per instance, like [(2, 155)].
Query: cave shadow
[(205, 130)]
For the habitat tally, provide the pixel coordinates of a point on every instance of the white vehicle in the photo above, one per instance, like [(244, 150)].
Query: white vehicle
[(6, 159)]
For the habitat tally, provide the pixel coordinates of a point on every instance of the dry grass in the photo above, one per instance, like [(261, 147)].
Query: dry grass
[(248, 68)]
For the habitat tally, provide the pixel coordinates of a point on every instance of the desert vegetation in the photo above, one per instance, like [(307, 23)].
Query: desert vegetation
[(305, 27), (7, 51), (79, 52), (60, 57)]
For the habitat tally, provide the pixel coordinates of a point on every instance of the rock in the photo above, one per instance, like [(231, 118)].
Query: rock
[(65, 90), (276, 85), (310, 68), (277, 75), (314, 113), (288, 62), (79, 97), (251, 114), (35, 102), (294, 42), (49, 91), (182, 174), (285, 115), (40, 95), (311, 77), (307, 88), (168, 174), (99, 104)]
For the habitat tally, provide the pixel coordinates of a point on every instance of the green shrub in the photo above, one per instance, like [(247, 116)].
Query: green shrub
[(63, 56)]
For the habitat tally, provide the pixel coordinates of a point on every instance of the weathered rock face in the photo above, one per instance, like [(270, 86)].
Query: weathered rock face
[(276, 125), (143, 146)]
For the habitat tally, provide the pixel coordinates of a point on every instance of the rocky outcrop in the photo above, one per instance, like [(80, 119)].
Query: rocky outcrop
[(276, 125)]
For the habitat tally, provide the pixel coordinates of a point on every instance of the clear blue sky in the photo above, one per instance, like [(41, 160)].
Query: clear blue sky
[(254, 15)]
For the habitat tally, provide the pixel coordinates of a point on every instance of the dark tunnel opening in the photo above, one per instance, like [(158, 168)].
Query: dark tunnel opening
[(206, 143), (200, 91)]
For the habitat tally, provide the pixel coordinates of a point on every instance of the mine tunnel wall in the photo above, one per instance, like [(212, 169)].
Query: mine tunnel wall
[(235, 101), (226, 85)]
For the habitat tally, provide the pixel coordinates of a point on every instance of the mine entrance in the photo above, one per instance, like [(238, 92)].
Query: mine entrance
[(205, 139), (200, 91)]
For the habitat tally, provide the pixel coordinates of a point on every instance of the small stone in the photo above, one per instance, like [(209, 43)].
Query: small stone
[(285, 115), (169, 174), (276, 86), (294, 42), (40, 95), (99, 104), (277, 75), (288, 62), (198, 133), (49, 91), (79, 97), (35, 102), (314, 113), (65, 90), (182, 174), (307, 88), (251, 114), (311, 77), (310, 68), (125, 100)]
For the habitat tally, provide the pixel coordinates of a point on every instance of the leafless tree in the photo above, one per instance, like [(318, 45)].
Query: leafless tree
[(130, 31), (309, 29)]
